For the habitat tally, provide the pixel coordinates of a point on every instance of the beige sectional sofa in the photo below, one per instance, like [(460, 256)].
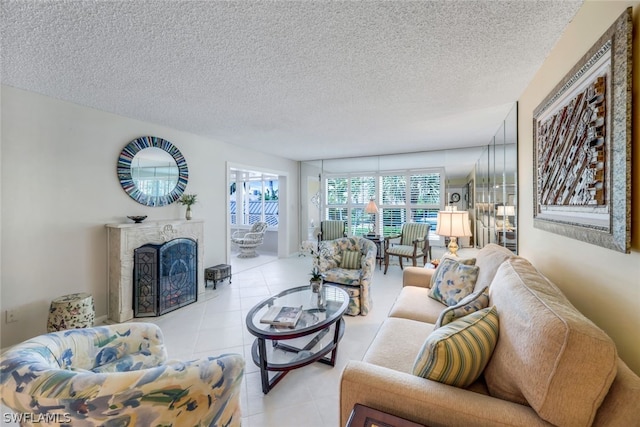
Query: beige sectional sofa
[(551, 365)]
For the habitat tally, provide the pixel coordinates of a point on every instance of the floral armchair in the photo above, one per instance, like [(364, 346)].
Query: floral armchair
[(117, 375), (348, 263), (248, 241)]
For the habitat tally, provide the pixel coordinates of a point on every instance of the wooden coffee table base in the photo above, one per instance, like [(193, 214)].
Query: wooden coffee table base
[(313, 338), (259, 355)]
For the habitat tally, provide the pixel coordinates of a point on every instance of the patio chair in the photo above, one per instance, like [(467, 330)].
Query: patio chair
[(414, 243), (248, 241), (332, 229)]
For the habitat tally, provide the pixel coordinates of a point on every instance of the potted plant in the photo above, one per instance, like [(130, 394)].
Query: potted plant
[(309, 247), (316, 279), (188, 200)]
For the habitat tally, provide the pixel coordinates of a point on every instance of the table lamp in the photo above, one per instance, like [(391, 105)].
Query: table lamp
[(453, 224), (506, 212), (372, 210)]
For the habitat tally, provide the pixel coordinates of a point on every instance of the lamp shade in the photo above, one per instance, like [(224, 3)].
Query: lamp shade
[(506, 211), (453, 224), (371, 207)]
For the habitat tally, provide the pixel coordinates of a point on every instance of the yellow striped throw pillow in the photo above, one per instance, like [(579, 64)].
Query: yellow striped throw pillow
[(457, 353), (351, 260)]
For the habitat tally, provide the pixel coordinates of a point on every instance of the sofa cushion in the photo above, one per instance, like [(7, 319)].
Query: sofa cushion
[(452, 281), (548, 355), (343, 276), (414, 303), (472, 302), (351, 260), (488, 259), (457, 353), (397, 344), (404, 250)]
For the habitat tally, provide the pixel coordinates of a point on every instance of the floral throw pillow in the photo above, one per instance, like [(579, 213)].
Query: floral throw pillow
[(467, 305), (452, 281), (467, 261)]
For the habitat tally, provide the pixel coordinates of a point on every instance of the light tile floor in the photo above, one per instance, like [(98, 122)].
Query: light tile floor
[(216, 324), (307, 396)]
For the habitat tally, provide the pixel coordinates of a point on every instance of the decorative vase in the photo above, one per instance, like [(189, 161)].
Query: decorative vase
[(316, 286), (318, 299), (188, 213)]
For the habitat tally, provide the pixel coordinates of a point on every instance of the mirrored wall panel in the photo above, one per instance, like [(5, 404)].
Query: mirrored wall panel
[(413, 187), (495, 210)]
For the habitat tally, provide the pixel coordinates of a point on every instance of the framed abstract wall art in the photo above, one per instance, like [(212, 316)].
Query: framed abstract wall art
[(582, 146)]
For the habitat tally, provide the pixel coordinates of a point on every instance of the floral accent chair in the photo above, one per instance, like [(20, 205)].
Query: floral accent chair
[(118, 375), (332, 229), (248, 241), (414, 243), (348, 263)]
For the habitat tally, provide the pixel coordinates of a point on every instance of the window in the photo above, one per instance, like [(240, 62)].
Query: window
[(392, 220), (412, 196), (425, 198), (337, 190), (394, 190), (363, 188), (254, 198), (346, 199), (425, 189)]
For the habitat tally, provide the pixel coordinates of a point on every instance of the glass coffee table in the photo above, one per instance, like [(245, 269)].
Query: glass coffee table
[(315, 335)]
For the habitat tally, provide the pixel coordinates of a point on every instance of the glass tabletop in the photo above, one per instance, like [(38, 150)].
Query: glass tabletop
[(314, 316)]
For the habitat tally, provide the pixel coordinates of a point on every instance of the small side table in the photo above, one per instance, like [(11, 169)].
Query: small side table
[(364, 416), (217, 273), (70, 312), (379, 241), (507, 238)]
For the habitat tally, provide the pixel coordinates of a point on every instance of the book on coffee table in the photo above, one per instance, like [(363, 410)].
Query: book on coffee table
[(282, 316)]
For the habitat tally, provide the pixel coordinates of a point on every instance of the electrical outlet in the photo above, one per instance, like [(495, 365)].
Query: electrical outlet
[(12, 316)]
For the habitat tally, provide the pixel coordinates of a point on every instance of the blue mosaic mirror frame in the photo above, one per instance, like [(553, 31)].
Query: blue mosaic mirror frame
[(126, 180)]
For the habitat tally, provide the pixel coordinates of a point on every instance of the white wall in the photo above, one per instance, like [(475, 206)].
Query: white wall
[(59, 188), (603, 284)]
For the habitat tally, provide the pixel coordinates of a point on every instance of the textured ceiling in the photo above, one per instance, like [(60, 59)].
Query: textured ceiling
[(303, 80)]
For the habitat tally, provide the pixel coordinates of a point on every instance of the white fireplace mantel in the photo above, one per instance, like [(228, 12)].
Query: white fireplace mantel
[(123, 239)]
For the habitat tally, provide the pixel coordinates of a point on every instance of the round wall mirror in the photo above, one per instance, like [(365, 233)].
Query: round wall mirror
[(152, 171)]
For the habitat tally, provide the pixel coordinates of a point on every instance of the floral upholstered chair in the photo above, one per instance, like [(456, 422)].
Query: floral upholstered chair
[(414, 244), (118, 375), (248, 241), (348, 263)]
